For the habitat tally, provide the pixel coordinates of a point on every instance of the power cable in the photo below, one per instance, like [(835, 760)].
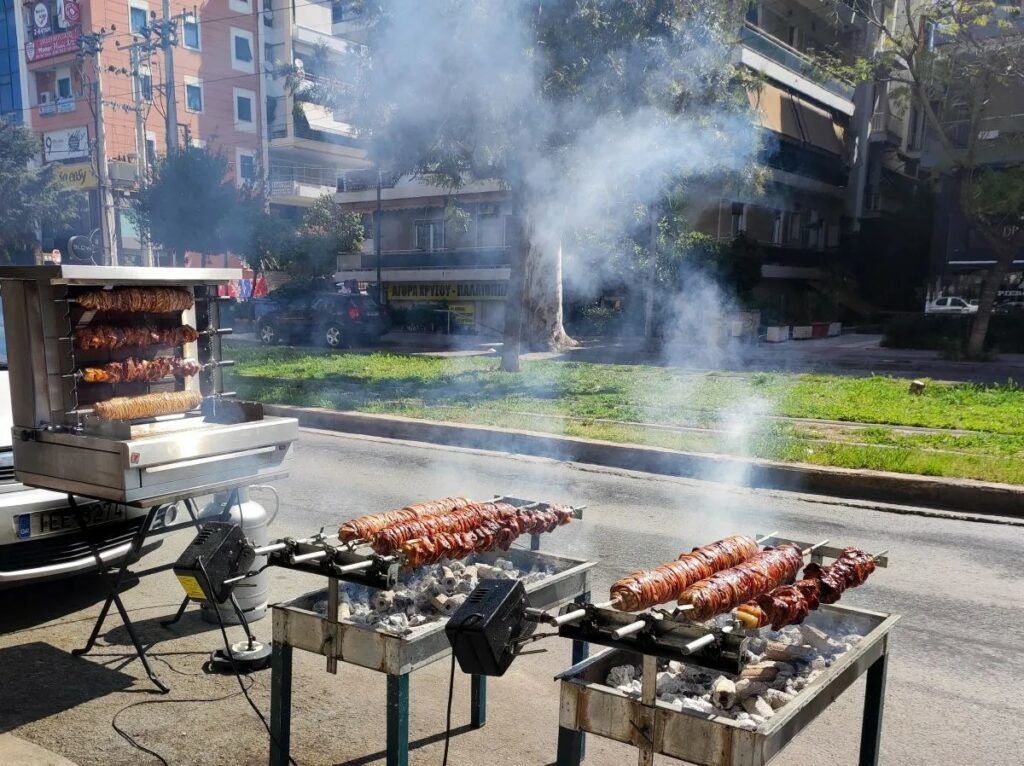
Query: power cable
[(448, 718)]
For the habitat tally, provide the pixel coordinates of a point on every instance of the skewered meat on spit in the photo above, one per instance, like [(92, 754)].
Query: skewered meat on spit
[(142, 370), (148, 405), (488, 536), (364, 527), (155, 300), (790, 604), (727, 589), (646, 588), (466, 518), (111, 338)]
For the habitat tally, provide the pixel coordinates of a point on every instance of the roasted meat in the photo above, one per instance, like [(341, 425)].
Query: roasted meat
[(148, 405), (646, 588), (727, 589), (152, 300), (110, 338), (142, 370), (364, 527)]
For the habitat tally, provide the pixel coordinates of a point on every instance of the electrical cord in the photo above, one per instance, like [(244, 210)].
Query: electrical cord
[(448, 719), (234, 666)]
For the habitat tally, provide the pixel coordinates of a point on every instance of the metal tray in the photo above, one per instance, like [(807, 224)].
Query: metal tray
[(297, 625), (588, 705)]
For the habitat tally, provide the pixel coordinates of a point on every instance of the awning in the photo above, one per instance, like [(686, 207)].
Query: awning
[(790, 116), (321, 118)]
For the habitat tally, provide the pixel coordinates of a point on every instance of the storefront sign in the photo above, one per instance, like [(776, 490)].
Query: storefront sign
[(464, 313), (77, 176), (69, 144), (447, 291), (52, 45)]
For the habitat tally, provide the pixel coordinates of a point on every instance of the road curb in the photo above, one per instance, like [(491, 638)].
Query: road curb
[(962, 495)]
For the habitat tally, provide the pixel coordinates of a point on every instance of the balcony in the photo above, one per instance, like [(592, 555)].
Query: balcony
[(298, 184), (795, 62), (454, 258), (886, 126), (60, 106)]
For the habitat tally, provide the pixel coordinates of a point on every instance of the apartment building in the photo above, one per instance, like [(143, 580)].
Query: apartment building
[(216, 86), (310, 145)]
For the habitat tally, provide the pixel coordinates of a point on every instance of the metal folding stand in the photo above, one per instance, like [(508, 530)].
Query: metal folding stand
[(114, 580)]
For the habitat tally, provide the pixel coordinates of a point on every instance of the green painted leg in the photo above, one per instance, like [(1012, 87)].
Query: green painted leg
[(580, 652), (478, 701), (398, 720), (570, 747), (874, 704), (280, 704)]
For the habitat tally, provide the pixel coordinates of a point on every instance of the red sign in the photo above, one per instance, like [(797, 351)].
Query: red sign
[(52, 45), (72, 13)]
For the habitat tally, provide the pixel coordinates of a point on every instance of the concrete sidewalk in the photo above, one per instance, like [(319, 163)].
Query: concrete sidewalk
[(15, 751)]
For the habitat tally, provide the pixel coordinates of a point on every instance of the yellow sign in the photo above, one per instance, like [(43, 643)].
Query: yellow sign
[(192, 587), (465, 314), (77, 176), (447, 291)]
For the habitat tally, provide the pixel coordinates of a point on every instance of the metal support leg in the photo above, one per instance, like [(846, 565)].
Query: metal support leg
[(398, 720), (280, 704), (177, 615), (874, 704), (534, 542), (580, 652), (570, 747), (478, 701)]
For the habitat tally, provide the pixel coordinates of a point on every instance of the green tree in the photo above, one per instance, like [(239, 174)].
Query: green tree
[(29, 193), (959, 63), (577, 107), (191, 203), (326, 232)]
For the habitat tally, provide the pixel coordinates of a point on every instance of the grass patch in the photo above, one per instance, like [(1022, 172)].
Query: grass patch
[(662, 407)]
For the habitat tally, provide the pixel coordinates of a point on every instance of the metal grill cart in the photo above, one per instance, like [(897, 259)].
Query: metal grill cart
[(60, 347), (588, 704), (298, 626)]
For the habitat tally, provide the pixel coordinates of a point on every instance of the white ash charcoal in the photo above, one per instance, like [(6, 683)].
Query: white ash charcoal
[(852, 639), (487, 572), (397, 622), (777, 650), (723, 693), (448, 579), (816, 638), (697, 704), (620, 675), (457, 567), (757, 719), (761, 671), (818, 663), (471, 571), (454, 602), (777, 698), (669, 683), (758, 706), (504, 564), (320, 607), (440, 603), (756, 645), (746, 687), (747, 723), (466, 586), (415, 620), (383, 600), (344, 610)]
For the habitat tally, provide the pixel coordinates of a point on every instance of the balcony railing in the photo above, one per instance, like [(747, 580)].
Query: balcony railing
[(469, 257), (761, 42)]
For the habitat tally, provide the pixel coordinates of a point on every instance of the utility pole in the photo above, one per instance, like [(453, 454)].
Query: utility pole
[(135, 52), (92, 45), (167, 30)]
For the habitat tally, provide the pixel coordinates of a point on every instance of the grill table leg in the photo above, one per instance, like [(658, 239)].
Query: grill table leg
[(478, 701), (280, 704), (398, 720), (570, 747), (874, 704), (580, 652)]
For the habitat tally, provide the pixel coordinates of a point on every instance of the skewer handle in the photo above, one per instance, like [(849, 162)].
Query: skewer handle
[(768, 536), (574, 616), (628, 630), (358, 566), (808, 551)]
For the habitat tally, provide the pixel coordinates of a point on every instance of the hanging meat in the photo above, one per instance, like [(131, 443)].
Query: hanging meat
[(148, 405), (142, 370), (152, 300), (109, 338), (727, 589), (488, 536), (364, 527), (790, 604), (646, 588)]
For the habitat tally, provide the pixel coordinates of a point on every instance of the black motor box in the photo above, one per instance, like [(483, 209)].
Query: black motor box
[(484, 630)]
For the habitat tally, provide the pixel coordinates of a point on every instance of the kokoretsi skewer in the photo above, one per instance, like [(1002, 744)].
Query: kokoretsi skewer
[(490, 535), (366, 526), (727, 589), (646, 588), (147, 406), (156, 300), (459, 520), (109, 338), (790, 604)]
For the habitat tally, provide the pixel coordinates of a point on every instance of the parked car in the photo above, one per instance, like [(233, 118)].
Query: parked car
[(332, 319), (950, 305), (39, 534)]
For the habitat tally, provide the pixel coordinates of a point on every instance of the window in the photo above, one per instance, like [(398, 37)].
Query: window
[(64, 84), (244, 100), (151, 148), (246, 167), (138, 17), (144, 83), (739, 219), (241, 51), (193, 94), (268, 13), (190, 31), (430, 235), (241, 6)]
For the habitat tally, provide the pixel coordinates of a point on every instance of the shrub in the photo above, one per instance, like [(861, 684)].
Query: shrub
[(948, 334)]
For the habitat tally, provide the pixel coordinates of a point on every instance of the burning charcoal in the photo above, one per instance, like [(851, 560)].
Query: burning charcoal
[(384, 600), (397, 622), (448, 579), (723, 693), (440, 603), (777, 698), (816, 638), (620, 675), (758, 706), (761, 671)]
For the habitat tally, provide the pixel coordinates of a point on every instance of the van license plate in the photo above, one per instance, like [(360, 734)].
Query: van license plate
[(63, 520)]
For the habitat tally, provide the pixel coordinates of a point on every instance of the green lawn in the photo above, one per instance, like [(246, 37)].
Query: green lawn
[(732, 413)]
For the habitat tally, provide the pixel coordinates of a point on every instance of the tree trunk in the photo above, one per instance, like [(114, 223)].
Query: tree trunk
[(1005, 252), (542, 296)]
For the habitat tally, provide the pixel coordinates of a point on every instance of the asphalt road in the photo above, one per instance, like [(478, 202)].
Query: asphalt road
[(954, 688)]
